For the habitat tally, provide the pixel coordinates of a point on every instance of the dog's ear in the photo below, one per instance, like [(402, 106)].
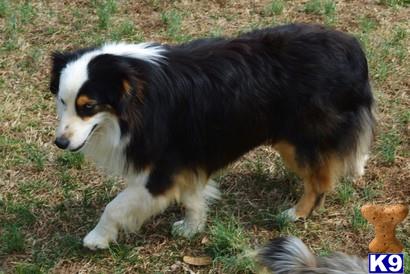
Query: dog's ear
[(58, 61), (123, 76)]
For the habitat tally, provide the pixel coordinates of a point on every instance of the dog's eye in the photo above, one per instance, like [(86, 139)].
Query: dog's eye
[(89, 106)]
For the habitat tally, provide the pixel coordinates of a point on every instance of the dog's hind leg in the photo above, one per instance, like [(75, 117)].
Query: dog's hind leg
[(195, 201), (317, 181)]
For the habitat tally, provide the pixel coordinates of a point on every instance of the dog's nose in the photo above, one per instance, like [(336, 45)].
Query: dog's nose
[(62, 142)]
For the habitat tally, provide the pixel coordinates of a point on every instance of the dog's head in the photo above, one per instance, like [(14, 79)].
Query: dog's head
[(93, 88)]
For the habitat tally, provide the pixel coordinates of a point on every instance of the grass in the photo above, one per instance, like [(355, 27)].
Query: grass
[(4, 8), (371, 191), (12, 239), (275, 7), (406, 263), (70, 160), (395, 3), (36, 156), (50, 199), (173, 20), (367, 24), (126, 31), (345, 191), (105, 10), (27, 269), (358, 221), (281, 221), (230, 246), (27, 12), (327, 8), (389, 142), (319, 7)]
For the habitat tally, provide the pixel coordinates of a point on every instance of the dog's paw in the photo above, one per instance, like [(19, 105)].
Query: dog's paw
[(291, 214), (184, 229), (94, 240)]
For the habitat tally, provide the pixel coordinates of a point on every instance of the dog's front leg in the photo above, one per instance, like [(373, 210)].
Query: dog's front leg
[(127, 211)]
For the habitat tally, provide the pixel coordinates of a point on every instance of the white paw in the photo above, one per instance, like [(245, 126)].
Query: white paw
[(290, 214), (186, 229), (95, 240)]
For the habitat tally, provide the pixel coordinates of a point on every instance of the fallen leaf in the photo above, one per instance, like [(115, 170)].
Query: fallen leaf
[(204, 240), (198, 261)]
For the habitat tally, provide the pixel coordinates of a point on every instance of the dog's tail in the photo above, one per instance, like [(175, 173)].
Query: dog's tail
[(289, 255)]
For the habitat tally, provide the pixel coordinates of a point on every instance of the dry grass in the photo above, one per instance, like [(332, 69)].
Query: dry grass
[(49, 200)]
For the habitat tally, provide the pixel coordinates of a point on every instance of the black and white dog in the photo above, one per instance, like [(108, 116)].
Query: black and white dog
[(167, 117)]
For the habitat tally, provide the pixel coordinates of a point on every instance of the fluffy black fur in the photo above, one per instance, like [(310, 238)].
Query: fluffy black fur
[(211, 100)]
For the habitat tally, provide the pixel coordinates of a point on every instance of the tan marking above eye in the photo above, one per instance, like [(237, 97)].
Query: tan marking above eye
[(83, 100), (126, 87)]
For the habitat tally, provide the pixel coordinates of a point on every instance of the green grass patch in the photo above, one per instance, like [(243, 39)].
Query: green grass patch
[(394, 3), (11, 29), (387, 147), (27, 12), (126, 31), (325, 250), (358, 222), (173, 21), (275, 7), (71, 160), (23, 214), (403, 118), (68, 184), (36, 156), (122, 253), (12, 239), (105, 10), (4, 8), (406, 263), (25, 268), (30, 64), (345, 191), (16, 213), (17, 152), (69, 244), (320, 7), (382, 70), (216, 32), (282, 221), (230, 246), (326, 8), (28, 188), (371, 190), (313, 6), (367, 24)]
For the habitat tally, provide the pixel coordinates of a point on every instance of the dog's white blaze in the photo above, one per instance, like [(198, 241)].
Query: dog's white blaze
[(143, 51)]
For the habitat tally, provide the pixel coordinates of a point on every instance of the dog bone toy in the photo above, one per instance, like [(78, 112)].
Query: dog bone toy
[(385, 219)]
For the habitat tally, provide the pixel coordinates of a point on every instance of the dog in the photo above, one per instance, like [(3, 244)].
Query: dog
[(285, 255), (167, 117)]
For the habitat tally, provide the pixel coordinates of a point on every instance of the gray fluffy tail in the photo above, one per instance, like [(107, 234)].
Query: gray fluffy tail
[(289, 255)]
